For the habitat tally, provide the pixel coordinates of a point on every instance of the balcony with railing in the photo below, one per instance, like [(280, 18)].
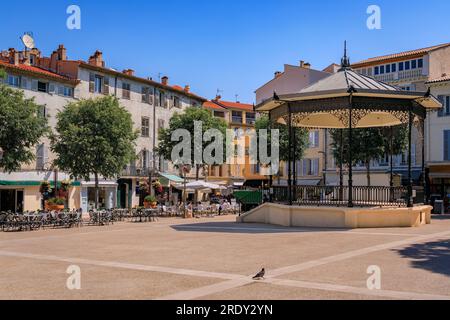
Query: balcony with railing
[(401, 75), (131, 171)]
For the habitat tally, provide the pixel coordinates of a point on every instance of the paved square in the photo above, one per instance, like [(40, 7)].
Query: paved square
[(214, 258)]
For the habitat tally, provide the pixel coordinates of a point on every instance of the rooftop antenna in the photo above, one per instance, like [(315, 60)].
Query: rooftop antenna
[(218, 92), (237, 97)]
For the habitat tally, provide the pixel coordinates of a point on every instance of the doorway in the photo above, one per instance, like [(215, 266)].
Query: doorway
[(8, 200)]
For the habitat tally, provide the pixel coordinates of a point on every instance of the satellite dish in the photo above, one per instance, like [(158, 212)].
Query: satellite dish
[(28, 41)]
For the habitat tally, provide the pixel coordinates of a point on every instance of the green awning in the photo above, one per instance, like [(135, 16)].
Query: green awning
[(167, 178), (25, 183)]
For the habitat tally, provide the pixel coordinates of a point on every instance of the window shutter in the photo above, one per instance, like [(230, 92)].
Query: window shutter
[(39, 157), (45, 154), (23, 82), (441, 111), (316, 167), (446, 145), (305, 167), (34, 85), (106, 86), (61, 90), (157, 102), (150, 96), (91, 82), (144, 91), (51, 88), (316, 138)]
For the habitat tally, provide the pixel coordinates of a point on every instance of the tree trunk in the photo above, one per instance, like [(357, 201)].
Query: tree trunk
[(96, 191), (197, 172), (368, 172)]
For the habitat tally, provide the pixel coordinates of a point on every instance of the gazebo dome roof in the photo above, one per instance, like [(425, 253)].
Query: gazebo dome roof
[(346, 79)]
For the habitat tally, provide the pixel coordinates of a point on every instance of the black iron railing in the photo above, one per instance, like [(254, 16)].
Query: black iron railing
[(338, 196)]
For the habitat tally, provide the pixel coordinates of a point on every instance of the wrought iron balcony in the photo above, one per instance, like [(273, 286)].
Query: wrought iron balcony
[(130, 171)]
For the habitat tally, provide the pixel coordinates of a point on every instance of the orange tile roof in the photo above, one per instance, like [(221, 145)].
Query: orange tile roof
[(36, 71), (139, 79), (212, 105), (400, 55), (235, 105), (441, 79)]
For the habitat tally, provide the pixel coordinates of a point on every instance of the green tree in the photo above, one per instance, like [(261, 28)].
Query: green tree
[(301, 134), (21, 128), (367, 145), (94, 137), (186, 121)]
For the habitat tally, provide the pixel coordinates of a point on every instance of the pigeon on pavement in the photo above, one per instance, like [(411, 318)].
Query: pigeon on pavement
[(260, 275)]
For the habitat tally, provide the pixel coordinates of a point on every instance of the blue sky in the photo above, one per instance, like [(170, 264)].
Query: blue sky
[(233, 45)]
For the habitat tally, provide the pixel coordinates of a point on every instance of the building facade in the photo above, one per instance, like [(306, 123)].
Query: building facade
[(240, 118), (415, 70), (56, 81), (309, 170)]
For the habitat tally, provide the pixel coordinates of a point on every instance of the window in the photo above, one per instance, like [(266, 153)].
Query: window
[(219, 114), (381, 69), (446, 145), (393, 67), (369, 72), (237, 117), (145, 156), (176, 102), (310, 167), (42, 86), (13, 81), (65, 91), (126, 87), (377, 70), (413, 64), (314, 139), (407, 65), (388, 68), (445, 111), (401, 66), (420, 63), (145, 127), (251, 118), (98, 84)]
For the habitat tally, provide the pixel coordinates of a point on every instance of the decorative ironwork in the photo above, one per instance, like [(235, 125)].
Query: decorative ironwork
[(402, 116)]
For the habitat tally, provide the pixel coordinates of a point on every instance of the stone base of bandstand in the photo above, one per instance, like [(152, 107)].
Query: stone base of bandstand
[(338, 217)]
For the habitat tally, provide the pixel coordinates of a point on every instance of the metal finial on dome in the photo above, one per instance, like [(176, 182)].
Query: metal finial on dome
[(345, 61)]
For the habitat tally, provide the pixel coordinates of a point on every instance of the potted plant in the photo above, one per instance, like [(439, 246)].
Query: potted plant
[(150, 202), (45, 187), (158, 187), (55, 204)]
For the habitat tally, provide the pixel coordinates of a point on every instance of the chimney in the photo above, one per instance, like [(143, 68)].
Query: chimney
[(128, 72), (307, 65), (217, 98), (187, 89), (165, 80), (54, 61), (97, 59), (62, 53), (277, 74), (13, 56), (302, 63)]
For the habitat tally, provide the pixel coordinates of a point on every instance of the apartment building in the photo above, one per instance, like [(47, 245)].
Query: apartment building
[(415, 70), (293, 79), (55, 81), (240, 118)]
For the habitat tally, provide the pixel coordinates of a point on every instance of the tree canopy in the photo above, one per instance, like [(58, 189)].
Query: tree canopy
[(21, 128), (94, 137), (302, 137), (186, 121), (367, 144)]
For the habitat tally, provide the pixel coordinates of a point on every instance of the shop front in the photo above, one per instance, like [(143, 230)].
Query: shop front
[(107, 195)]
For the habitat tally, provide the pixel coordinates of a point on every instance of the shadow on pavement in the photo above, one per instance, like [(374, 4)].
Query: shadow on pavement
[(232, 227), (431, 256)]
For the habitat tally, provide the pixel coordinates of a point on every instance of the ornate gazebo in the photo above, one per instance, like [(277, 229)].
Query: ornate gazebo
[(348, 100)]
